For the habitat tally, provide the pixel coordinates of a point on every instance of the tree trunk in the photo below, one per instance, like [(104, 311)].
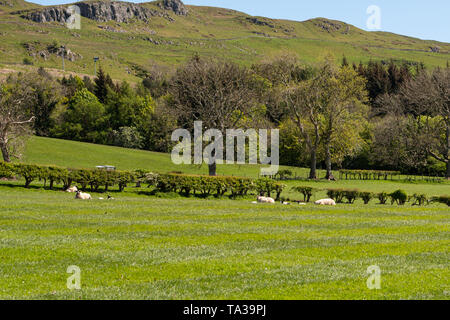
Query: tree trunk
[(448, 170), (5, 152), (447, 156), (212, 169), (312, 172), (329, 174)]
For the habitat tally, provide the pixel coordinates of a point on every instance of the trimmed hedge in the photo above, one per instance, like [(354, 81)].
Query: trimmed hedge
[(217, 186), (94, 178), (307, 192), (171, 182), (6, 170), (442, 199), (367, 174)]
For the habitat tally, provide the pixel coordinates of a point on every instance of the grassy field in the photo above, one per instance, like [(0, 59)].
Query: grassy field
[(146, 247), (141, 247)]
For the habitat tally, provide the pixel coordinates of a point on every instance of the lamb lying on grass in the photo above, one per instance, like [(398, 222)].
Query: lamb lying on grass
[(325, 202), (83, 196), (72, 189), (265, 200)]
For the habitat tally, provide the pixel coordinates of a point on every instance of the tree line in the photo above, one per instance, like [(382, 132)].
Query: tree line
[(381, 115)]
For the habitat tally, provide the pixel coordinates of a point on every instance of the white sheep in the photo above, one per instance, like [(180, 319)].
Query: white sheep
[(326, 202), (265, 200), (83, 196), (72, 189)]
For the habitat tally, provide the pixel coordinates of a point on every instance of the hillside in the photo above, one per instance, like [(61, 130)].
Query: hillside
[(47, 151), (86, 155), (130, 38)]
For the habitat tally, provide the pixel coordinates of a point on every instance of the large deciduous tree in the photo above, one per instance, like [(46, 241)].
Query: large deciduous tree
[(328, 110), (16, 116), (427, 98), (218, 93)]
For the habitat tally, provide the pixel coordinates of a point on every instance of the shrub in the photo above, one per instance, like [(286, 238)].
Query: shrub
[(283, 174), (419, 199), (29, 172), (383, 197), (123, 178), (350, 195), (6, 170), (27, 61), (265, 186), (336, 194), (307, 192), (56, 175), (400, 197), (367, 174), (442, 199), (366, 196)]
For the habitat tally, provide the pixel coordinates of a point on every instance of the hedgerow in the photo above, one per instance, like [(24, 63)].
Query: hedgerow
[(367, 174), (307, 192)]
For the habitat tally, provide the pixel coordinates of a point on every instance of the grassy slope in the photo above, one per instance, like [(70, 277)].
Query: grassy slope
[(137, 247), (208, 31), (85, 155)]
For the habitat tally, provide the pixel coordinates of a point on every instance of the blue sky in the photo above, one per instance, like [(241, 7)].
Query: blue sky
[(417, 18)]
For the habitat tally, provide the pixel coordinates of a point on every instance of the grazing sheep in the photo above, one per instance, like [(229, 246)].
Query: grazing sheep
[(326, 202), (265, 200), (83, 196), (72, 189)]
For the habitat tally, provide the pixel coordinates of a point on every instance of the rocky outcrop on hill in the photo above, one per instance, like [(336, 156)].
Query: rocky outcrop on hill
[(104, 11), (117, 11), (37, 49), (176, 6), (52, 14)]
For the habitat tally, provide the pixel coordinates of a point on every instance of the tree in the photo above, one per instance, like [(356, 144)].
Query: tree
[(427, 98), (327, 108), (219, 93), (48, 95), (16, 115), (344, 112), (84, 119), (102, 83)]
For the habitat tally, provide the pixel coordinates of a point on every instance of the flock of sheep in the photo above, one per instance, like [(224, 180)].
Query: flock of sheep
[(82, 195), (322, 202), (86, 196)]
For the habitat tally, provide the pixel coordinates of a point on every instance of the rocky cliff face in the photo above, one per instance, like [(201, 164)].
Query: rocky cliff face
[(176, 6), (58, 14), (104, 11)]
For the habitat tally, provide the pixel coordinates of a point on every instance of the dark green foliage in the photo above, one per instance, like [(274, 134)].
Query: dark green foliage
[(103, 82), (6, 170), (366, 196), (351, 195), (284, 174), (335, 194), (29, 172), (84, 120), (442, 199), (420, 199), (382, 197), (307, 192), (203, 185), (367, 174), (400, 197), (266, 186)]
